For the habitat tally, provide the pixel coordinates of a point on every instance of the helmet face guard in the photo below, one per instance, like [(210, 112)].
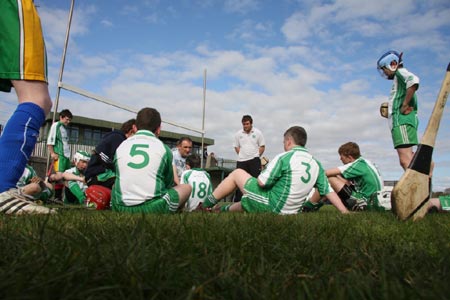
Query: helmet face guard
[(386, 60), (81, 155)]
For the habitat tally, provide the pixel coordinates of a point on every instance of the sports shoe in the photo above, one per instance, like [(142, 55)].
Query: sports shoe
[(12, 203)]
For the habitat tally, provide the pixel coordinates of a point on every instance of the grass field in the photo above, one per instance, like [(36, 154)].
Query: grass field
[(80, 254)]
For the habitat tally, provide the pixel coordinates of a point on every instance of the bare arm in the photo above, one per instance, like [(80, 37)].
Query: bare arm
[(53, 155), (406, 109), (237, 149), (336, 201), (175, 175), (261, 150), (333, 172)]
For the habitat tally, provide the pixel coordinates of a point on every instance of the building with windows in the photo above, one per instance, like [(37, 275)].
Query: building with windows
[(85, 133)]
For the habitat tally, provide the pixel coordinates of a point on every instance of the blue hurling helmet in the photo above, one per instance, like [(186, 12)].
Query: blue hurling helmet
[(386, 59)]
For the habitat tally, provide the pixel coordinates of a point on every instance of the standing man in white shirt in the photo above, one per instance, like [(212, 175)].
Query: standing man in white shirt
[(249, 145)]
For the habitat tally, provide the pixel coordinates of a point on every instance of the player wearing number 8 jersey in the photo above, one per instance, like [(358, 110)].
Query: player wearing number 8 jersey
[(144, 179), (284, 185)]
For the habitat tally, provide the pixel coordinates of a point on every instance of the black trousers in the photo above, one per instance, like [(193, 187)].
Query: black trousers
[(253, 167)]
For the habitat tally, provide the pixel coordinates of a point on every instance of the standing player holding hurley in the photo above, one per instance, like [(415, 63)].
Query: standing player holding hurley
[(23, 65), (402, 106)]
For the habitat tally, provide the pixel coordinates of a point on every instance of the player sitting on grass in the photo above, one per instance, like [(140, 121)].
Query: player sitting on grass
[(199, 180), (32, 186), (356, 181), (74, 191), (283, 186)]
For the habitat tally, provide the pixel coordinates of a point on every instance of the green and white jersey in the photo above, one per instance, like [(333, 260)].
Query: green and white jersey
[(143, 169), (78, 188), (290, 177), (58, 138), (403, 80), (27, 174), (200, 181), (364, 174)]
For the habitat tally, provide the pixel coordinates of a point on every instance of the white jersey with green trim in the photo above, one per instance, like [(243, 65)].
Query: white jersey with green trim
[(290, 177), (200, 182), (27, 174), (72, 183), (144, 169), (59, 139), (403, 80)]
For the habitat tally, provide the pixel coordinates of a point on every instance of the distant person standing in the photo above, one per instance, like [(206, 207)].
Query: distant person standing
[(23, 66), (184, 148), (58, 146), (58, 141), (249, 145)]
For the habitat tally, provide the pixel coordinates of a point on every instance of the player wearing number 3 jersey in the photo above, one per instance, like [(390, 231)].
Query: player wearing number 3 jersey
[(283, 187), (144, 179)]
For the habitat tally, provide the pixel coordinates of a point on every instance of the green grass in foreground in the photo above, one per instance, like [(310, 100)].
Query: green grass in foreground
[(80, 254)]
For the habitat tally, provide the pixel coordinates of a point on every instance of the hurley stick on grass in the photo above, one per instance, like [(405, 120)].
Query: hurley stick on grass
[(412, 191)]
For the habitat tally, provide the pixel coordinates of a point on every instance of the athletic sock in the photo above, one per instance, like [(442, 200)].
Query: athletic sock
[(17, 142), (225, 208), (210, 201)]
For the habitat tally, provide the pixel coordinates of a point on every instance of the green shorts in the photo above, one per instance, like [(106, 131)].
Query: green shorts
[(404, 136), (445, 202), (164, 205), (255, 198), (62, 164)]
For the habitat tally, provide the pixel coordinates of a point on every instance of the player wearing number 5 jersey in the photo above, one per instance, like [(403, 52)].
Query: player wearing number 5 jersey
[(198, 179), (284, 185), (144, 179)]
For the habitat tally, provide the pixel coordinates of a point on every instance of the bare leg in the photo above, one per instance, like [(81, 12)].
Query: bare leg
[(236, 207), (236, 179), (405, 156), (35, 92), (184, 191)]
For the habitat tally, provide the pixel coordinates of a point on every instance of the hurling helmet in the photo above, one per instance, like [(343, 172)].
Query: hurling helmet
[(98, 197), (386, 59), (81, 155)]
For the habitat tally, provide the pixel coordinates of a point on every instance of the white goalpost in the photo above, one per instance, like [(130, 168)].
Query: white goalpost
[(79, 91)]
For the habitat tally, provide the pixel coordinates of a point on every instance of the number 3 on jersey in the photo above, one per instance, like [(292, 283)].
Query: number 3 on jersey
[(139, 154)]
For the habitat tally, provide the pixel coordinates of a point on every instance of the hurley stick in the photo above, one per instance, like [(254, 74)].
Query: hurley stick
[(412, 192)]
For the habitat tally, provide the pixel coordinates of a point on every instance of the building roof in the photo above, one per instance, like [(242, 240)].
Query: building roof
[(114, 125)]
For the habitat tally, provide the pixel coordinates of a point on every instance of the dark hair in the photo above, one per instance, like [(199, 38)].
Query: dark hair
[(148, 119), (246, 118), (128, 125), (351, 149), (65, 113), (182, 139), (193, 161), (298, 134)]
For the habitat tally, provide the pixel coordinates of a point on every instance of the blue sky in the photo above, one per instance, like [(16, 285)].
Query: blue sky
[(285, 62)]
